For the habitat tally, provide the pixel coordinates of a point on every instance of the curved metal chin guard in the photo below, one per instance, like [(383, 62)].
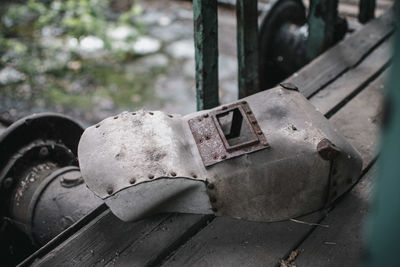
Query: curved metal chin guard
[(268, 157)]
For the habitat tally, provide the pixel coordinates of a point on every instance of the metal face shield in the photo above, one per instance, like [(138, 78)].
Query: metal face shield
[(268, 157)]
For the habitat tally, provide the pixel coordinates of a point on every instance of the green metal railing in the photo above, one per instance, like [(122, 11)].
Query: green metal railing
[(321, 20)]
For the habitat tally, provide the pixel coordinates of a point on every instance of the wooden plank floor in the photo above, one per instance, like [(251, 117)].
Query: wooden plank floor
[(184, 239)]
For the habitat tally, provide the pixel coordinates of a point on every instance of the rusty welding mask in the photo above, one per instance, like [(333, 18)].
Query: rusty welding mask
[(268, 157)]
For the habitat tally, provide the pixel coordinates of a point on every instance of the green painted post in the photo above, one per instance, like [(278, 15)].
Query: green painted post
[(383, 232), (247, 47), (206, 52), (366, 10), (321, 21)]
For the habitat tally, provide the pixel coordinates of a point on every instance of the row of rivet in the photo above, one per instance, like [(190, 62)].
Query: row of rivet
[(134, 113), (110, 190)]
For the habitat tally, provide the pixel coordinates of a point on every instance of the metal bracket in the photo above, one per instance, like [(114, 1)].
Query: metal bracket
[(228, 132)]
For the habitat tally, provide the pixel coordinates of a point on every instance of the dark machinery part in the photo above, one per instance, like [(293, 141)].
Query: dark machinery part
[(41, 189), (286, 44)]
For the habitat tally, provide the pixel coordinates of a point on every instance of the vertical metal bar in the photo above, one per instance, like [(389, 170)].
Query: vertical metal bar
[(206, 52), (247, 47), (321, 21), (366, 10)]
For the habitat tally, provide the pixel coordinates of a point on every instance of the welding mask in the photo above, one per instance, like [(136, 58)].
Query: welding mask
[(268, 157)]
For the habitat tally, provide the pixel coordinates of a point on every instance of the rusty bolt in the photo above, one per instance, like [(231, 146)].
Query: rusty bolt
[(173, 174), (224, 108), (110, 190), (223, 157), (244, 102), (210, 186), (259, 132), (194, 175), (254, 122), (289, 86), (205, 115), (116, 117), (151, 113), (327, 150), (44, 151), (132, 181), (170, 116), (8, 182), (248, 112), (98, 125), (133, 113), (151, 176)]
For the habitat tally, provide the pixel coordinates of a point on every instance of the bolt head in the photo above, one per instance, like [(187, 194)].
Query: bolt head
[(132, 181), (173, 174), (151, 176), (327, 150)]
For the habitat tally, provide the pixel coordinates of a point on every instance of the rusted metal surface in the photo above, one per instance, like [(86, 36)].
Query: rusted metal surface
[(213, 143), (327, 149), (152, 162)]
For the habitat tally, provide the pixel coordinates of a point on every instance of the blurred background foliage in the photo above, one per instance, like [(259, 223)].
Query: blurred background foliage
[(73, 54)]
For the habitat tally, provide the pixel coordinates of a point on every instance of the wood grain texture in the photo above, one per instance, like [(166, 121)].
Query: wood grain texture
[(107, 240), (337, 60), (350, 83), (359, 120), (99, 241), (341, 243)]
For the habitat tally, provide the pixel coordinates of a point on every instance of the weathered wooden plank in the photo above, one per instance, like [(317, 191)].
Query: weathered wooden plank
[(348, 53), (155, 246), (358, 120), (98, 241), (341, 243), (350, 83), (274, 241), (108, 240), (229, 242)]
